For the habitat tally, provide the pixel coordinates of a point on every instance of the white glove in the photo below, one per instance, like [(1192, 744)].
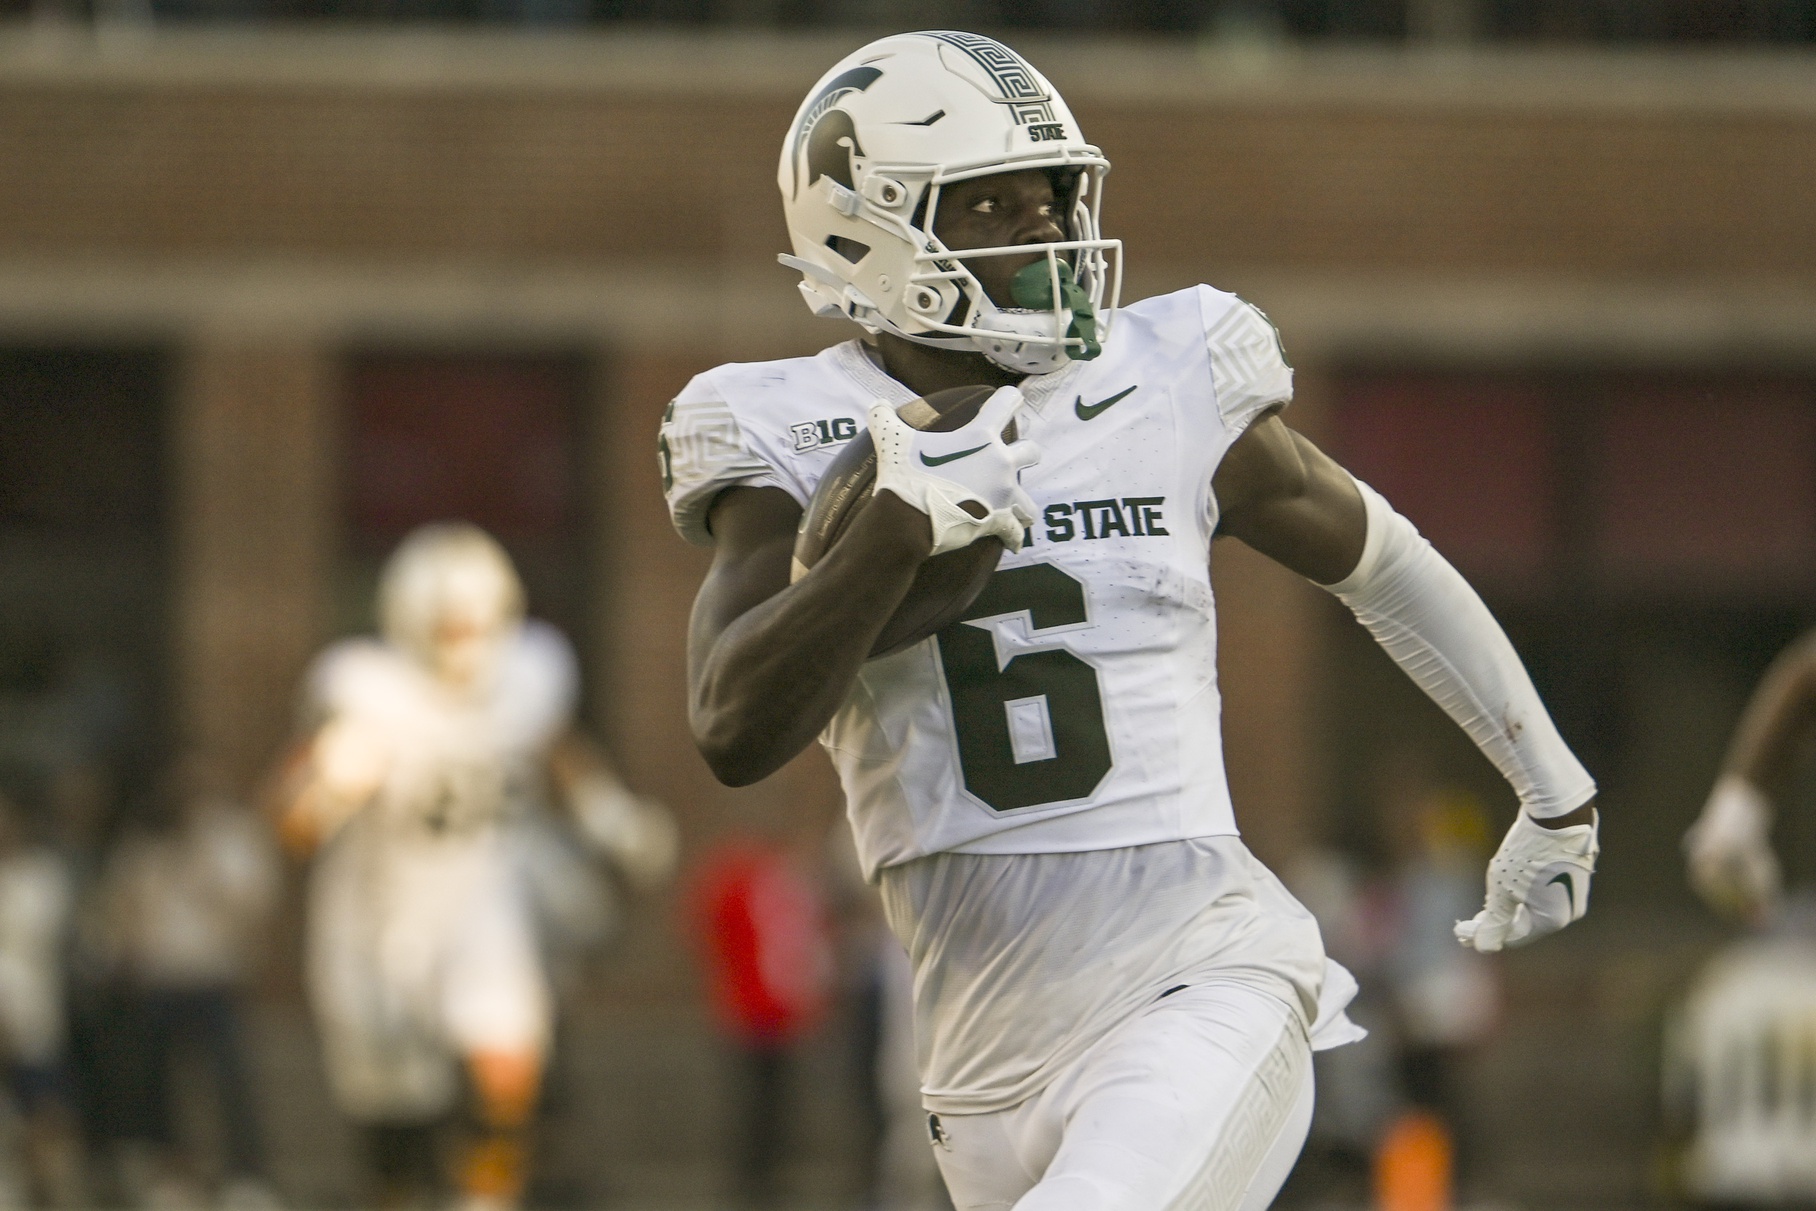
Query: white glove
[(1538, 882), (1729, 848), (636, 833), (976, 467)]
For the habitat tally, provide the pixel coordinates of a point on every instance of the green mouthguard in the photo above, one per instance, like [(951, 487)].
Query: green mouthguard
[(1032, 286)]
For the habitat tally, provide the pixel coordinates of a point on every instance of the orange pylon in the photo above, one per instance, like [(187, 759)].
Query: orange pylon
[(1413, 1165)]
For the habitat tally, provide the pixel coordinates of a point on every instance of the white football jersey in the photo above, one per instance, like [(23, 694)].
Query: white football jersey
[(1075, 706), (453, 761), (421, 937)]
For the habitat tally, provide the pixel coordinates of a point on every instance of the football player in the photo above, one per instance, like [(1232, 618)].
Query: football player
[(422, 751), (1729, 848), (1116, 1004)]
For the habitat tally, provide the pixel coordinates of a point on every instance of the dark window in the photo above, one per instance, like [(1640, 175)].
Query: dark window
[(82, 556), (493, 439)]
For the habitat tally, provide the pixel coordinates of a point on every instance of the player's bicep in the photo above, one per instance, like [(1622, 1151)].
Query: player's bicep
[(1286, 498), (753, 540)]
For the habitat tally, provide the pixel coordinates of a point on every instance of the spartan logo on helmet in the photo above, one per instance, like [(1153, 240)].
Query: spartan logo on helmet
[(828, 132)]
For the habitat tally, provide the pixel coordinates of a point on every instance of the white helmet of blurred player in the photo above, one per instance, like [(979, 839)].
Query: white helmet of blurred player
[(861, 174), (449, 597)]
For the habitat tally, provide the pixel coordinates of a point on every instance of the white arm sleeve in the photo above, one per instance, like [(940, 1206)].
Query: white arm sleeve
[(1434, 626)]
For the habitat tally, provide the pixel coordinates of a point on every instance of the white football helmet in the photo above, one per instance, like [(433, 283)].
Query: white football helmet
[(861, 174), (450, 597)]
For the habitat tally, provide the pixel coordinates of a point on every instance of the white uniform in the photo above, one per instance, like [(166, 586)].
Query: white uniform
[(35, 905), (422, 944), (1040, 788)]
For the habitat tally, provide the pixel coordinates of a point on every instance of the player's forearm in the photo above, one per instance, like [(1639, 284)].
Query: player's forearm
[(1781, 713), (1435, 627), (769, 682)]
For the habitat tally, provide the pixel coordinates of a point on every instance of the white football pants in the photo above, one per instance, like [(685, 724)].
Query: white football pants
[(1198, 1103)]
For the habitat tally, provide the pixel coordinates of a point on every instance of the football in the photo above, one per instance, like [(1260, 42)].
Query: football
[(946, 584)]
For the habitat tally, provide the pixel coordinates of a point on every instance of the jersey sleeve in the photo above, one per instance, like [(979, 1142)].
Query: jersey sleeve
[(1249, 371), (339, 679), (702, 450), (538, 688)]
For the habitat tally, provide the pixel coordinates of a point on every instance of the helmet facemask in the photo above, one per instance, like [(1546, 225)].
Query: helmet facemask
[(1054, 314)]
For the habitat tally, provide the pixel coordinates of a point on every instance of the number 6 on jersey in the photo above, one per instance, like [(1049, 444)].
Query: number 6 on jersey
[(1031, 731)]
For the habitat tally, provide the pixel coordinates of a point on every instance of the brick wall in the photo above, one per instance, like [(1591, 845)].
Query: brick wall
[(614, 194), (188, 150)]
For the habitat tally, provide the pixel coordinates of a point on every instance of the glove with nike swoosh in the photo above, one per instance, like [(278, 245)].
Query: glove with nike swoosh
[(1538, 882), (975, 491)]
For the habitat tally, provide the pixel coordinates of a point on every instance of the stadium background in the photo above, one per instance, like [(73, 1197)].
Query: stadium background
[(270, 294)]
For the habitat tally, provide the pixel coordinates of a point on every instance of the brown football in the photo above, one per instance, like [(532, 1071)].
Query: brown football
[(947, 583)]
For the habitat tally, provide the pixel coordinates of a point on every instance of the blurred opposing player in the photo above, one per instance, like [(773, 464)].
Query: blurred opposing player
[(1729, 848), (1115, 1003), (423, 749), (1754, 1140)]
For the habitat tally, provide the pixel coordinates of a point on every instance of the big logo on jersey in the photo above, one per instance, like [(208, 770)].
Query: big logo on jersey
[(812, 434)]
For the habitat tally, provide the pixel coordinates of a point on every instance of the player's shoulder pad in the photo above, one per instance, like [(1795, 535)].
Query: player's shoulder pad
[(538, 686), (361, 675), (706, 442), (1167, 319), (1249, 370)]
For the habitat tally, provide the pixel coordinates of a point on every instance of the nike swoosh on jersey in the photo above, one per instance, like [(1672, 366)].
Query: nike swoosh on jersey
[(1569, 887), (937, 459), (1089, 411)]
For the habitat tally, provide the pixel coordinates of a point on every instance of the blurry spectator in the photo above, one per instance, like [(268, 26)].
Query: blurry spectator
[(908, 1175), (1358, 1085), (903, 1174), (1446, 997), (1395, 1104), (762, 924), (186, 899), (34, 919), (81, 810)]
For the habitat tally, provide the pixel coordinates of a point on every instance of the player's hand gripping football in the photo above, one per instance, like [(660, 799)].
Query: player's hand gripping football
[(1729, 848), (966, 481), (1538, 882)]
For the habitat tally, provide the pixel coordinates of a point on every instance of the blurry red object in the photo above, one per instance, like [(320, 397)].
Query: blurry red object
[(766, 941)]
